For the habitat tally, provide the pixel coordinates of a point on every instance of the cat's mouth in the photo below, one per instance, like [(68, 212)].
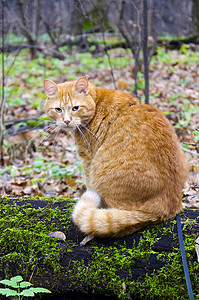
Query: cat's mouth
[(68, 125)]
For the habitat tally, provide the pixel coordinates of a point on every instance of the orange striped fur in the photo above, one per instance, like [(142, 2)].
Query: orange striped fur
[(134, 167)]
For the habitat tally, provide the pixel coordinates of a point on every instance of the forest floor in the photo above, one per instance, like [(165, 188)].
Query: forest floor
[(44, 162)]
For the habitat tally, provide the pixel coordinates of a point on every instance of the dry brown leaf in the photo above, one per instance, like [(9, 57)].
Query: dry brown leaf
[(121, 84), (194, 169), (57, 234), (70, 181), (28, 190)]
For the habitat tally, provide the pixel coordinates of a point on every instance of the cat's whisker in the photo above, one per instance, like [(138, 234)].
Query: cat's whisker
[(42, 129), (35, 127), (84, 137), (89, 131), (89, 135), (59, 128), (48, 126), (50, 132), (39, 131), (85, 119), (47, 129), (43, 139)]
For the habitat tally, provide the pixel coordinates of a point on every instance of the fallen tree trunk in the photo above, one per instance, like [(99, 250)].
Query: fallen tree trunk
[(144, 265), (176, 44), (84, 46), (45, 50)]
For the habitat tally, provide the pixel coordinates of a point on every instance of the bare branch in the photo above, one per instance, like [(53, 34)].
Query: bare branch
[(36, 18), (121, 26), (145, 50), (3, 98), (103, 35)]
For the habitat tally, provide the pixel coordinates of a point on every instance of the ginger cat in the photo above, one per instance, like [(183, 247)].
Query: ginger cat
[(134, 167)]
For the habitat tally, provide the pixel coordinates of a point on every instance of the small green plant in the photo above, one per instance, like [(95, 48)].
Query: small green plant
[(188, 111), (20, 289), (196, 135)]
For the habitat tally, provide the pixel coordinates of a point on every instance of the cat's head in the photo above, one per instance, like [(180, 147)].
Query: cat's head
[(70, 104)]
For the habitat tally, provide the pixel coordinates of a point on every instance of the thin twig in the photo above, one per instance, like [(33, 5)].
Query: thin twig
[(33, 270), (121, 27), (191, 152), (145, 50), (12, 64), (191, 144), (3, 87), (107, 54), (103, 36), (137, 46), (131, 41)]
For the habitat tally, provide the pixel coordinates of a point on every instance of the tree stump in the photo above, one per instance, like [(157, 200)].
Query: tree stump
[(144, 265)]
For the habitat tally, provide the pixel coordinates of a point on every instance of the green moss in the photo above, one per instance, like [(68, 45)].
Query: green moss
[(113, 268), (24, 239), (104, 266)]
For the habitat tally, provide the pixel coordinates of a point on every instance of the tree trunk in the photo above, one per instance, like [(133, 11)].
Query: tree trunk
[(35, 27), (195, 11), (29, 29), (144, 265), (145, 51), (3, 98)]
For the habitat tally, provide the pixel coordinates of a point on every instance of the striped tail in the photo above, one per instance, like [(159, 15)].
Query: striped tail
[(96, 221)]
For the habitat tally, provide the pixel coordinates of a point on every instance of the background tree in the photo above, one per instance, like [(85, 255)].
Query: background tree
[(24, 15), (196, 15), (3, 99)]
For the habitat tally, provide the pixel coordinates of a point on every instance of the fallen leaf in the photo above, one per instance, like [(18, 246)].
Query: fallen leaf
[(57, 234), (28, 190), (70, 181), (121, 84)]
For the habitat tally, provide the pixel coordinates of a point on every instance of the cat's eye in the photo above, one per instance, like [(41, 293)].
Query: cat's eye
[(58, 109), (74, 108)]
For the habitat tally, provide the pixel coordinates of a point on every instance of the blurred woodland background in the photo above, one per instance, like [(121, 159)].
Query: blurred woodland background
[(149, 48)]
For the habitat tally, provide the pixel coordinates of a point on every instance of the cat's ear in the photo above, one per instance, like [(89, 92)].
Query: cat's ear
[(82, 85), (50, 88)]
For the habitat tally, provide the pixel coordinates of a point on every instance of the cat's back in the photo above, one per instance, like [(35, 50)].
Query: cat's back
[(143, 130), (114, 98), (131, 127), (124, 107), (147, 117), (140, 135), (125, 113)]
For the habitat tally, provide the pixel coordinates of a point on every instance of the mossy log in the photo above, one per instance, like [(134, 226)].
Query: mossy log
[(144, 265)]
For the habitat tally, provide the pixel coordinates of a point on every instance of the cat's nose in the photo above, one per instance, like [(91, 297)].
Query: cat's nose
[(67, 122)]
